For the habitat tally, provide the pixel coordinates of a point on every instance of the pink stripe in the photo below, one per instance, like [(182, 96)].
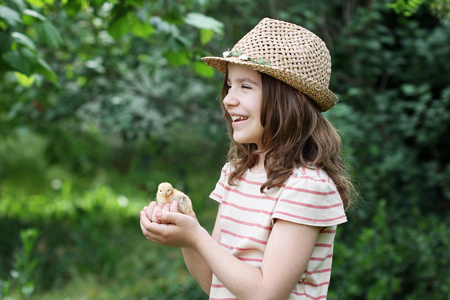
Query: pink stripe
[(216, 195), (249, 195), (311, 178), (310, 205), (319, 271), (321, 258), (328, 231), (245, 223), (247, 209), (316, 285), (244, 237), (309, 296), (249, 259), (309, 191), (251, 182), (309, 219), (223, 299), (238, 248), (324, 245)]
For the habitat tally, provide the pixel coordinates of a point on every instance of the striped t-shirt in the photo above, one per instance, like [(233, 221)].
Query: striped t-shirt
[(308, 197)]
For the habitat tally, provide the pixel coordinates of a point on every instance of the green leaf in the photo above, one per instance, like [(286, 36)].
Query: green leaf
[(37, 3), (34, 14), (203, 69), (177, 59), (206, 35), (18, 5), (22, 39), (22, 60), (141, 29), (24, 80), (119, 27), (10, 16), (201, 21), (48, 34), (72, 7), (44, 69), (6, 39)]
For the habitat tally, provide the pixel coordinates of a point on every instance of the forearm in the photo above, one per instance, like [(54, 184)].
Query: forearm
[(198, 268), (241, 279)]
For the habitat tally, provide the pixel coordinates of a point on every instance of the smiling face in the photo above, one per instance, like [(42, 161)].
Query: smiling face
[(243, 104)]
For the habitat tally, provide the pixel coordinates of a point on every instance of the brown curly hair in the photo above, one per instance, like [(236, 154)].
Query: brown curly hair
[(295, 134)]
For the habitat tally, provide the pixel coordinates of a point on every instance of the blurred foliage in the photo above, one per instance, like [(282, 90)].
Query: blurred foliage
[(20, 284), (102, 100)]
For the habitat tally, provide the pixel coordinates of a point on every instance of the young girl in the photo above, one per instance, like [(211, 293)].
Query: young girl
[(285, 187)]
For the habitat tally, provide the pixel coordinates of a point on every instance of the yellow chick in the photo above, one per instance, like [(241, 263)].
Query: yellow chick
[(166, 194)]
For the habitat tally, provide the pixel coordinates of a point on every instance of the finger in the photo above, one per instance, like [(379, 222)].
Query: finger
[(174, 206), (156, 210), (150, 209), (169, 217), (144, 219), (166, 208), (149, 235)]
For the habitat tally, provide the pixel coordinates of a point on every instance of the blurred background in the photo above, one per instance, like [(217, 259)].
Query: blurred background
[(100, 101)]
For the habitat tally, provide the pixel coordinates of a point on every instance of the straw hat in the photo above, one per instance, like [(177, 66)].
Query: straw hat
[(287, 52)]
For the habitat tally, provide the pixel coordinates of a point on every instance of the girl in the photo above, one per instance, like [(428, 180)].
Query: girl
[(284, 189)]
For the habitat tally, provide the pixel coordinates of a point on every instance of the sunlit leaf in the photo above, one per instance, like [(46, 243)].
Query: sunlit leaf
[(201, 21), (206, 35), (9, 15), (141, 29), (34, 14), (203, 69), (24, 80), (23, 40)]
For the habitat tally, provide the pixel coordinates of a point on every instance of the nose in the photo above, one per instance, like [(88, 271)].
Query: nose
[(230, 99)]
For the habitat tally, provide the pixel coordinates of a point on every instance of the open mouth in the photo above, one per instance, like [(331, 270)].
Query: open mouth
[(238, 118)]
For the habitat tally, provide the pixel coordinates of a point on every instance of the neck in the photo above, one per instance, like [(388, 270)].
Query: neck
[(259, 167)]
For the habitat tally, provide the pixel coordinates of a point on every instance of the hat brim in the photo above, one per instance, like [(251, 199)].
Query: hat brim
[(324, 98)]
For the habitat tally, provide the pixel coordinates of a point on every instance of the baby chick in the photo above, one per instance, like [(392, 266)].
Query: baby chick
[(166, 194)]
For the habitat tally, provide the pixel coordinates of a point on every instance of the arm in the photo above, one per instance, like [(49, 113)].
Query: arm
[(287, 253), (198, 268)]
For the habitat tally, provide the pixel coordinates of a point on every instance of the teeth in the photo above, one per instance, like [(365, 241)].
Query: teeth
[(238, 118)]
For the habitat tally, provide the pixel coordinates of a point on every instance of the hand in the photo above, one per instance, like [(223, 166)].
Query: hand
[(164, 225), (153, 209)]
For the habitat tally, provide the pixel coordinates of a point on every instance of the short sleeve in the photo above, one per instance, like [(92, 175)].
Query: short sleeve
[(310, 200), (218, 192)]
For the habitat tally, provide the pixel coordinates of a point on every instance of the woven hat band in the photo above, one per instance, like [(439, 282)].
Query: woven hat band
[(287, 52)]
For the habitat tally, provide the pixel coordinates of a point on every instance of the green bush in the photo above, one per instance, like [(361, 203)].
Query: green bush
[(392, 258)]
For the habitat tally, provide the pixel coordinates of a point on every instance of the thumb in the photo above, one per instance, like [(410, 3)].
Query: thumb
[(168, 217)]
